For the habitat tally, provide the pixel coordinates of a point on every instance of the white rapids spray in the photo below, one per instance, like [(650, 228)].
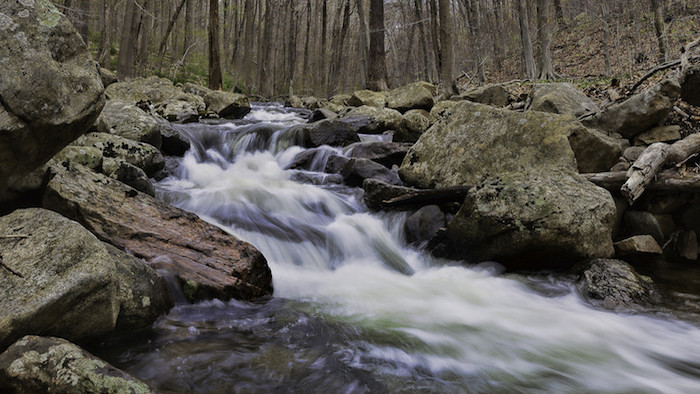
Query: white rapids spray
[(460, 329)]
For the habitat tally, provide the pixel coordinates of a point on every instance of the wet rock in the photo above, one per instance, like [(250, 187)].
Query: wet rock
[(643, 223), (690, 219), (332, 132), (226, 104), (368, 98), (690, 85), (174, 143), (638, 113), (154, 89), (177, 111), (384, 153), (322, 113), (615, 285), (128, 174), (335, 164), (128, 121), (417, 122), (632, 153), (380, 120), (668, 134), (413, 96), (50, 87), (560, 98), (107, 77), (422, 225), (208, 262), (377, 191), (44, 364), (495, 95), (640, 245), (142, 155), (356, 171)]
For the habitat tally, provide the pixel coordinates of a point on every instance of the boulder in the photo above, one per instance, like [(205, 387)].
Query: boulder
[(379, 119), (195, 89), (408, 97), (690, 84), (528, 207), (422, 225), (384, 153), (595, 151), (177, 111), (153, 89), (417, 122), (65, 282), (495, 95), (668, 134), (615, 285), (128, 174), (50, 87), (335, 164), (377, 191), (368, 98), (632, 153), (356, 171), (207, 261), (559, 98), (174, 143), (643, 223), (53, 365), (142, 155), (441, 110), (107, 77), (226, 104), (129, 121), (322, 113), (690, 218), (638, 113), (639, 245), (332, 132)]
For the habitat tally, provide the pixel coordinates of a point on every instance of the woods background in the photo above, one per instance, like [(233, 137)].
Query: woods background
[(270, 48)]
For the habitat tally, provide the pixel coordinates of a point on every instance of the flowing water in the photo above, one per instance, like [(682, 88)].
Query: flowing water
[(355, 310)]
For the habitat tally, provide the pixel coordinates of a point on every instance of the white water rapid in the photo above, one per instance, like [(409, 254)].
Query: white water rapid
[(355, 310)]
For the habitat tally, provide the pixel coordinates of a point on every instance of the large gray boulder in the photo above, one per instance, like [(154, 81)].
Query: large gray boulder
[(413, 96), (368, 98), (66, 282), (615, 285), (560, 98), (638, 113), (417, 122), (690, 84), (495, 95), (207, 261), (154, 89), (378, 120), (50, 87), (227, 104), (144, 156), (595, 151), (53, 365), (528, 207), (129, 121)]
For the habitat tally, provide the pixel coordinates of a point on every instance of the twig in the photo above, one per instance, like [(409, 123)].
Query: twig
[(14, 236), (10, 269), (680, 112)]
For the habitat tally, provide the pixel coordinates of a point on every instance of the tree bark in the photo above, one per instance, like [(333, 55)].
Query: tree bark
[(559, 13), (446, 72), (125, 63), (474, 16), (544, 55), (364, 40), (435, 37), (171, 24), (423, 40), (657, 8), (525, 42), (606, 36), (376, 70), (214, 46)]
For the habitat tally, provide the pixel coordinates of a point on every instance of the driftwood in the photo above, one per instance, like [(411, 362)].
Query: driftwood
[(667, 181), (652, 160), (428, 197)]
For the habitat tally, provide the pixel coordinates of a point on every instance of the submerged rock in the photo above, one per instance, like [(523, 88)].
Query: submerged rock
[(615, 285), (208, 262), (50, 87), (422, 225), (384, 153), (45, 365)]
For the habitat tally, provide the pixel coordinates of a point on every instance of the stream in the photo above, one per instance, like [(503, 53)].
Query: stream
[(356, 310)]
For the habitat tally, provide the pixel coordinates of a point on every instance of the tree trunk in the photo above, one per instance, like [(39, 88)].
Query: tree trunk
[(247, 63), (446, 73), (657, 8), (434, 33), (364, 40), (189, 26), (559, 13), (324, 43), (376, 70), (125, 63), (526, 45), (171, 24), (474, 16), (423, 40), (606, 37), (292, 47), (145, 40), (544, 55), (306, 70), (214, 46), (105, 36), (264, 52)]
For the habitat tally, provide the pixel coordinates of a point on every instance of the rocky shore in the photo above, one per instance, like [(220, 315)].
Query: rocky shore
[(535, 182)]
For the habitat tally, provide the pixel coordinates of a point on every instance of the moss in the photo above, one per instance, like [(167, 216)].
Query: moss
[(51, 16), (190, 288)]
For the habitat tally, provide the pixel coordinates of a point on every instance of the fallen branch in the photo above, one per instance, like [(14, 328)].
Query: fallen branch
[(656, 69), (10, 269), (652, 160), (429, 197), (13, 236), (667, 181)]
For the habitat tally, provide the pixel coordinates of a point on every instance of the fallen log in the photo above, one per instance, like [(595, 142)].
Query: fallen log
[(670, 181), (428, 197), (652, 160)]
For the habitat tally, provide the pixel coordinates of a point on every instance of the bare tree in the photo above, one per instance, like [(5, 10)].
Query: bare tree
[(376, 70), (526, 45), (214, 46), (446, 73), (544, 55), (657, 8)]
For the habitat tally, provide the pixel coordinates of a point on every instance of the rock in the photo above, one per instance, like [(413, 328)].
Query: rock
[(690, 218), (227, 105), (154, 89), (417, 122), (332, 132), (690, 85), (380, 119), (595, 151), (686, 245), (620, 166), (356, 171), (293, 102), (144, 156), (322, 113), (441, 110), (340, 99), (368, 98), (643, 223), (638, 245), (559, 98), (71, 284), (128, 174), (195, 89), (177, 111), (408, 97), (638, 113), (314, 159), (208, 262), (50, 87), (129, 121), (107, 77), (422, 226), (384, 153), (53, 365), (495, 95), (335, 164), (667, 134), (632, 153), (615, 285), (377, 191), (174, 143)]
